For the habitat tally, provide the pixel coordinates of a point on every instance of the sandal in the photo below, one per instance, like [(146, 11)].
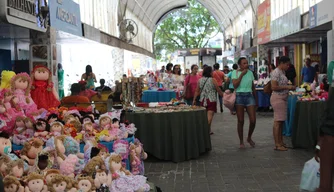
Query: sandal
[(280, 148)]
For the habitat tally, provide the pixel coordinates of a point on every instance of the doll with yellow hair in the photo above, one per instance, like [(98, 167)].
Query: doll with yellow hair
[(6, 76)]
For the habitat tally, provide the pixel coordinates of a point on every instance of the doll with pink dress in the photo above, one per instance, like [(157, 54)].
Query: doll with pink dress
[(29, 124), (21, 84), (19, 137), (6, 120), (42, 129)]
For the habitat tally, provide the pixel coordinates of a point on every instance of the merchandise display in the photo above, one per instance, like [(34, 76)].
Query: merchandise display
[(165, 109), (308, 92)]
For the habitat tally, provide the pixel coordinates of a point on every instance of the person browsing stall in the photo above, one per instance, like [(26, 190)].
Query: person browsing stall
[(75, 97), (219, 76)]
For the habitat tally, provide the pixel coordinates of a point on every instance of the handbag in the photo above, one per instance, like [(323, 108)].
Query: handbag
[(267, 88), (229, 98)]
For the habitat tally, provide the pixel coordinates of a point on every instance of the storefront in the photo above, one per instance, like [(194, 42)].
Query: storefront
[(16, 21)]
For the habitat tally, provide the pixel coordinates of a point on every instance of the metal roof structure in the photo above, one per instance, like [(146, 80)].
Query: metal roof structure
[(151, 12)]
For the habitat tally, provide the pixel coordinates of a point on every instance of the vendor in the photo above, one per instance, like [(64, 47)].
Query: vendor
[(75, 97), (308, 72), (102, 87)]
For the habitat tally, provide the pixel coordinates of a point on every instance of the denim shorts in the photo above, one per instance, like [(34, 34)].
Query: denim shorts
[(245, 99)]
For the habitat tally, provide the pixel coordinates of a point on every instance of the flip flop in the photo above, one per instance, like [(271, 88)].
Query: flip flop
[(280, 148)]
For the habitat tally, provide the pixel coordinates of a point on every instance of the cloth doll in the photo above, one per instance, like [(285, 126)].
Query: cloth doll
[(85, 184), (102, 180), (56, 129), (6, 119), (19, 136), (4, 160), (95, 163), (105, 125), (16, 168), (12, 184), (43, 91), (67, 167), (12, 107), (52, 118), (35, 183), (90, 118), (6, 76), (129, 127), (43, 163), (42, 129), (31, 149), (141, 154), (30, 129), (116, 131), (21, 84), (123, 180), (88, 131), (59, 183), (50, 174), (134, 160)]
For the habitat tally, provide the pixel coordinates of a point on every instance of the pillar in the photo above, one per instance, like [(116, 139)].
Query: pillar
[(118, 62), (298, 61)]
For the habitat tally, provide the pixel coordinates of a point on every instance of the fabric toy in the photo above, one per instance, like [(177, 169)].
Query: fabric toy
[(141, 154), (134, 160), (123, 180), (15, 168), (6, 76), (21, 84), (102, 180), (88, 131), (67, 167), (31, 149), (43, 91), (105, 125), (59, 183), (19, 136), (4, 160), (35, 183), (85, 184), (95, 163), (42, 164), (29, 124), (12, 184), (6, 119), (42, 129), (50, 174), (53, 117), (56, 129)]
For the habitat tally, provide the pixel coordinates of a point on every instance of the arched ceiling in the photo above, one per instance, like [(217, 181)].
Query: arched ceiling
[(150, 12)]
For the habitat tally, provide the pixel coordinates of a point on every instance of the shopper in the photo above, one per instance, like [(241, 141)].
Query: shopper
[(207, 88), (102, 87), (219, 76), (201, 72), (279, 100), (75, 97), (230, 82), (308, 72), (291, 74), (169, 67), (190, 84), (89, 77), (226, 69), (245, 99), (327, 146)]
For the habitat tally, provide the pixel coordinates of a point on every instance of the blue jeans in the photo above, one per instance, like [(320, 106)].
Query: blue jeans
[(245, 99)]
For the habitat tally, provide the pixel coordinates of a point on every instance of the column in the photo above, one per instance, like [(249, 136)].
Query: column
[(118, 62), (298, 61)]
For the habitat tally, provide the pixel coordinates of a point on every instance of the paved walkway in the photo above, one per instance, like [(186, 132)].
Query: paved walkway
[(226, 168)]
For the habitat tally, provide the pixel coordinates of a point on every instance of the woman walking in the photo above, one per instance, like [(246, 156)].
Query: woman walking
[(245, 98), (207, 89), (219, 76), (279, 100), (190, 84)]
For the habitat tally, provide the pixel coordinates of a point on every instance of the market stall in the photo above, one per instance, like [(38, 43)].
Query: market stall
[(287, 129), (173, 134)]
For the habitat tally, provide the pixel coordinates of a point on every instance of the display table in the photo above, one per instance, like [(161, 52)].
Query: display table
[(173, 136), (306, 124), (158, 96), (287, 129)]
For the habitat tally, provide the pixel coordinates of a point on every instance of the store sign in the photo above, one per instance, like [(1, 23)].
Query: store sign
[(263, 23), (313, 16), (65, 16), (286, 25), (20, 12)]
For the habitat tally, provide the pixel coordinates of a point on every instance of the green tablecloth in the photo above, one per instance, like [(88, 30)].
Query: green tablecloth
[(308, 117), (176, 136)]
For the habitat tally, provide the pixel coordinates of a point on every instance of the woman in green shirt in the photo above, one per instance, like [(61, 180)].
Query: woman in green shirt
[(89, 77), (245, 99)]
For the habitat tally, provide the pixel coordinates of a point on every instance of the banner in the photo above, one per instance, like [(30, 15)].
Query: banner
[(264, 20)]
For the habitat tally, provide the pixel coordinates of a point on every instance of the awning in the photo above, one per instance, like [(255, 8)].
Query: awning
[(303, 36)]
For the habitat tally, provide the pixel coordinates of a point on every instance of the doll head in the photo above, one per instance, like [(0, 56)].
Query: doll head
[(6, 76), (41, 73), (42, 125), (86, 119), (100, 177), (85, 184), (52, 117), (68, 118), (34, 182), (95, 163), (16, 168), (29, 123), (59, 146), (115, 164), (76, 116), (32, 148), (76, 124), (88, 127), (4, 160), (104, 152), (115, 123), (11, 184), (19, 121), (56, 127), (105, 120), (5, 144), (50, 174), (21, 81)]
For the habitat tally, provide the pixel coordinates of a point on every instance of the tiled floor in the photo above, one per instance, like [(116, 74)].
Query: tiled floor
[(226, 168)]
